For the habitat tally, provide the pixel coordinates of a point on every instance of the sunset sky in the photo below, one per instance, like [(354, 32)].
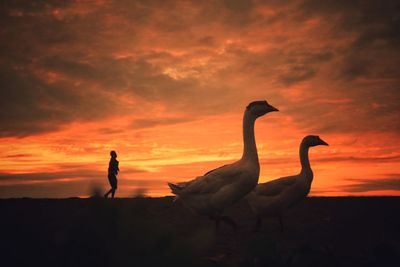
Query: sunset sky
[(165, 84)]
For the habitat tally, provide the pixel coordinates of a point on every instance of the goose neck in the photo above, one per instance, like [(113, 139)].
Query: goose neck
[(250, 148), (304, 160)]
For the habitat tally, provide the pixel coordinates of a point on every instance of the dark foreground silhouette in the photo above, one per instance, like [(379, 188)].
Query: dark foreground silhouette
[(157, 232)]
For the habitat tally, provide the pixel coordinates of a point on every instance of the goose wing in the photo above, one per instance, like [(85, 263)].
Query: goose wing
[(213, 180), (275, 187)]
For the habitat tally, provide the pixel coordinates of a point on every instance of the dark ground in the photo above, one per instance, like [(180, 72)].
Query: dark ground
[(362, 231)]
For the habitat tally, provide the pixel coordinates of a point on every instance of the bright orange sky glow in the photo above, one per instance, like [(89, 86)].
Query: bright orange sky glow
[(165, 84)]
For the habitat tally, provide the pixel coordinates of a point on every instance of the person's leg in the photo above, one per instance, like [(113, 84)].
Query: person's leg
[(106, 194), (114, 185), (112, 192)]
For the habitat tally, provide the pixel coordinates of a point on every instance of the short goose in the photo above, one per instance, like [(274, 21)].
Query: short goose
[(275, 197), (211, 193)]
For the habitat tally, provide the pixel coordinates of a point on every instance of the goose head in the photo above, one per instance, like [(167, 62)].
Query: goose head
[(314, 140), (260, 108)]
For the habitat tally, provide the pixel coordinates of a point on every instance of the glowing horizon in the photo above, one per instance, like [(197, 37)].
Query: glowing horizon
[(165, 84)]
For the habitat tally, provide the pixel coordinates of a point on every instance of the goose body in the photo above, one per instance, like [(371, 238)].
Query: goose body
[(217, 189), (275, 197)]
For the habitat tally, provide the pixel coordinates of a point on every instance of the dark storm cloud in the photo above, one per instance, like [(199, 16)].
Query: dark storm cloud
[(372, 108), (354, 66), (297, 74), (360, 40), (30, 7), (288, 65), (135, 75), (39, 39), (392, 182), (28, 105), (29, 30), (303, 65), (33, 106), (77, 42), (372, 31), (374, 24)]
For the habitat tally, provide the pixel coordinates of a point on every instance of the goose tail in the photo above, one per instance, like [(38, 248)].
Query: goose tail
[(175, 189)]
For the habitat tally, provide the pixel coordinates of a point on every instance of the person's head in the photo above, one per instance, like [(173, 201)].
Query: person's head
[(113, 154)]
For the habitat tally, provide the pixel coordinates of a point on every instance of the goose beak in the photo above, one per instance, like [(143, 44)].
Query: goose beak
[(323, 142), (273, 108)]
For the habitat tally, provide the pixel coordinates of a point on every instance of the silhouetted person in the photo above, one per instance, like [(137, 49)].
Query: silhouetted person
[(112, 174)]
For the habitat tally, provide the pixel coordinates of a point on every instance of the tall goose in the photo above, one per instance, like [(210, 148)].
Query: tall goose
[(275, 197), (211, 193)]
